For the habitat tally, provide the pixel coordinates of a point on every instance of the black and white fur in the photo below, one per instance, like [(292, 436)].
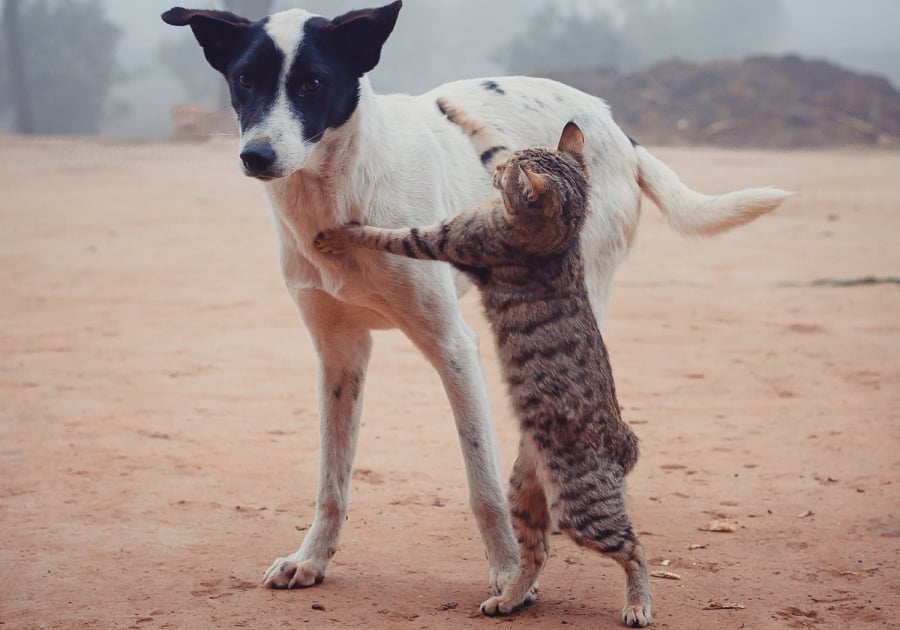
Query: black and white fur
[(331, 151)]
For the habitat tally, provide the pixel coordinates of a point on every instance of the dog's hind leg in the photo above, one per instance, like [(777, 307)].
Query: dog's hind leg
[(434, 323), (343, 345)]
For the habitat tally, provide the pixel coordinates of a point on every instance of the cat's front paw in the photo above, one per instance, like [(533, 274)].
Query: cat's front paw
[(333, 241)]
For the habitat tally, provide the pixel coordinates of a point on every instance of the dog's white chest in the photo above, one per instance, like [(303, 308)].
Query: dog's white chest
[(359, 278)]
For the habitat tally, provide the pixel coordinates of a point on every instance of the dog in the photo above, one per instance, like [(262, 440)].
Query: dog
[(330, 151)]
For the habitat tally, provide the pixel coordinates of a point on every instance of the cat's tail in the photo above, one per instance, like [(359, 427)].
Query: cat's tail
[(690, 212), (487, 143)]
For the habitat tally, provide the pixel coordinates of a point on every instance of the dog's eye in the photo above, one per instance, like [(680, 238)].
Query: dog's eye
[(245, 82), (311, 85)]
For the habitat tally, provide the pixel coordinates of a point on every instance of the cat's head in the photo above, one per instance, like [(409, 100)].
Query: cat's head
[(543, 182)]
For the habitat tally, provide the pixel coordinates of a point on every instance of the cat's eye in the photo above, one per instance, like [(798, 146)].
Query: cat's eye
[(245, 82), (310, 85)]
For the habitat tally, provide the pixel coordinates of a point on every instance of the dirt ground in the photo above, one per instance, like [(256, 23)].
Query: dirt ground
[(158, 432)]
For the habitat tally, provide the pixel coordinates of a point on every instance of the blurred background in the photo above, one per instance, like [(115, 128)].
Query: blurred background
[(766, 73)]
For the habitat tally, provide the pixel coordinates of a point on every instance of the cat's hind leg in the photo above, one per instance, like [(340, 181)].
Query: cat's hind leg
[(638, 611), (596, 519), (531, 522)]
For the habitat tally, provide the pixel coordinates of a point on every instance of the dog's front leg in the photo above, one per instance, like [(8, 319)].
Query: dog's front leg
[(343, 346), (434, 323)]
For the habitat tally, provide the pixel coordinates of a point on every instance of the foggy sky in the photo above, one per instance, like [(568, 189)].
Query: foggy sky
[(858, 34)]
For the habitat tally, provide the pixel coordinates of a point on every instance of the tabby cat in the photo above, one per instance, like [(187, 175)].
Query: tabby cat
[(523, 253)]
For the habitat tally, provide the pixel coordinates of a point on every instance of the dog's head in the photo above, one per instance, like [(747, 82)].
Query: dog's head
[(292, 75)]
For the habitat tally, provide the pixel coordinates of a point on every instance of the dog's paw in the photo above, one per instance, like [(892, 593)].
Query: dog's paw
[(292, 572), (500, 579), (498, 606), (332, 241), (637, 615)]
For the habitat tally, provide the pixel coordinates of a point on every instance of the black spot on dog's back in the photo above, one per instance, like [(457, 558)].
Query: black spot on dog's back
[(493, 86)]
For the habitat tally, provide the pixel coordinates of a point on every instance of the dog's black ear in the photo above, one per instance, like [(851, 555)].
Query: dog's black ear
[(361, 34), (215, 30)]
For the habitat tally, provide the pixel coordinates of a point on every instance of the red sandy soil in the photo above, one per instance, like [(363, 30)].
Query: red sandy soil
[(158, 431)]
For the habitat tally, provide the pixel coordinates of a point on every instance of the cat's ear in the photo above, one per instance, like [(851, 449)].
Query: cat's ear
[(533, 184), (572, 140)]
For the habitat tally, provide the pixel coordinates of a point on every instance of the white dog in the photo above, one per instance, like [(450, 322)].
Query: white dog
[(332, 151)]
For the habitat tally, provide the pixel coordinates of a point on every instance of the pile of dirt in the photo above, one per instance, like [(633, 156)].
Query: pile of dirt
[(765, 102)]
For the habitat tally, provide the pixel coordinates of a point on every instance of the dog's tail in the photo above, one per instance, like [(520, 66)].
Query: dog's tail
[(690, 212), (487, 143)]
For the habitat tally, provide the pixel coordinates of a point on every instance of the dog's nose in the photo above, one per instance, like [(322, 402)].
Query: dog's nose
[(258, 157)]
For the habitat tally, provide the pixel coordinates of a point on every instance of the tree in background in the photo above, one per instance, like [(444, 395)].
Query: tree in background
[(21, 98), (181, 57), (566, 39), (649, 32), (62, 68)]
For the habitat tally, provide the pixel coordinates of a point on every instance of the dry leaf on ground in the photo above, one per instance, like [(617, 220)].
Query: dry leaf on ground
[(720, 526), (668, 575)]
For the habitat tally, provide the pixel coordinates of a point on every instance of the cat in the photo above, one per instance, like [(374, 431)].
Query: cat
[(522, 252)]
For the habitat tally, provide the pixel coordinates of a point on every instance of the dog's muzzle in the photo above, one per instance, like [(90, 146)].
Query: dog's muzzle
[(258, 158)]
